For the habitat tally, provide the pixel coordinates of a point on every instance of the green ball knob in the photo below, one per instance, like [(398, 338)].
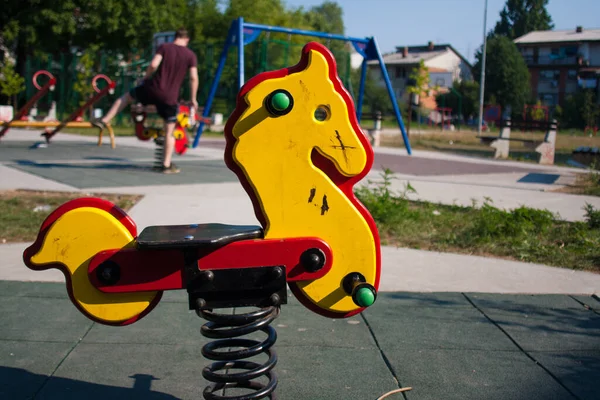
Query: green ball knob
[(280, 101), (365, 297)]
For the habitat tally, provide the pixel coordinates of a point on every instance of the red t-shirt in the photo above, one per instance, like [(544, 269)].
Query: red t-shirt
[(166, 82)]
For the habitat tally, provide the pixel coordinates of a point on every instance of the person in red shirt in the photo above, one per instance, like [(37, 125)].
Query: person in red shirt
[(160, 87)]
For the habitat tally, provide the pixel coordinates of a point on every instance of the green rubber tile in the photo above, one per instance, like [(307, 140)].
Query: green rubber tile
[(25, 366), (22, 151), (49, 290), (106, 174), (473, 374), (128, 371), (298, 326), (578, 371), (433, 327), (41, 319), (168, 323), (589, 302), (537, 328), (403, 299), (331, 373), (523, 301)]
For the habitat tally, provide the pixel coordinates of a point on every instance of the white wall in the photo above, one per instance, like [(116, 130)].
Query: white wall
[(452, 62), (594, 54)]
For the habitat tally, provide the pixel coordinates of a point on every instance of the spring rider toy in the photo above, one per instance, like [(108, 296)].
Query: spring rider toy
[(295, 144)]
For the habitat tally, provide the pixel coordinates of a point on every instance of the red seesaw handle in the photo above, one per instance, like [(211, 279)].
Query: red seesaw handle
[(42, 72), (101, 76)]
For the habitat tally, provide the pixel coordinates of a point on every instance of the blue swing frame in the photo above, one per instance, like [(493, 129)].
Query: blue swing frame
[(242, 33)]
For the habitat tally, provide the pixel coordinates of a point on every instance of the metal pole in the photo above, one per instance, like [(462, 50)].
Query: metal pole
[(361, 89), (215, 83), (240, 40), (482, 84)]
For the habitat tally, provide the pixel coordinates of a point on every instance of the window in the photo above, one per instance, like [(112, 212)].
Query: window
[(440, 82), (572, 74), (400, 72), (549, 74)]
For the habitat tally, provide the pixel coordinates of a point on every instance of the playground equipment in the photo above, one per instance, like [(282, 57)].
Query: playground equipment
[(42, 90), (187, 119), (545, 147), (53, 127), (295, 144), (242, 33), (442, 116)]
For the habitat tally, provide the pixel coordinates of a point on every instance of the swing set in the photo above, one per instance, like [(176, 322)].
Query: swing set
[(243, 33)]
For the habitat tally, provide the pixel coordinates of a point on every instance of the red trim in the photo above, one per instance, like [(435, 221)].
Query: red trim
[(101, 204), (344, 183), (157, 270)]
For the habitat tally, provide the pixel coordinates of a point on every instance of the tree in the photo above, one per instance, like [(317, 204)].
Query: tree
[(418, 85), (506, 74), (11, 83), (519, 17), (590, 109), (469, 93)]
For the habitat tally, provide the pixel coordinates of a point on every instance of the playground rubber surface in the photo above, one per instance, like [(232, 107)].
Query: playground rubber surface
[(423, 166), (86, 165), (443, 345)]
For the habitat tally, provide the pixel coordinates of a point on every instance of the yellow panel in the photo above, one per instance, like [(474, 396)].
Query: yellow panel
[(297, 198), (73, 240)]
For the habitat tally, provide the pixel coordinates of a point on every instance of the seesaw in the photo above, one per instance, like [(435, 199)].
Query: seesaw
[(296, 146), (53, 127)]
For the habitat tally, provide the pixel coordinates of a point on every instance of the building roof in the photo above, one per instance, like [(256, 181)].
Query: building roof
[(416, 53), (411, 58), (557, 36)]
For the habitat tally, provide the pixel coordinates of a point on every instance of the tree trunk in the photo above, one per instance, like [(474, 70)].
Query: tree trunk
[(409, 117)]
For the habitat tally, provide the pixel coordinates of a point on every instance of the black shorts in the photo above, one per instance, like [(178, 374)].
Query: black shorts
[(168, 112)]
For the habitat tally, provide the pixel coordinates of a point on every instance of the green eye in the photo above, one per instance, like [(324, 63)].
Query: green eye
[(279, 102)]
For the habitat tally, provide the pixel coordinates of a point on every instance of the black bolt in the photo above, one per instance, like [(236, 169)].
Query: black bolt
[(313, 259), (200, 303), (276, 273), (108, 273), (208, 276), (275, 299)]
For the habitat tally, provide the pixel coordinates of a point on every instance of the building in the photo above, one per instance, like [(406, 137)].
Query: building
[(445, 65), (560, 62)]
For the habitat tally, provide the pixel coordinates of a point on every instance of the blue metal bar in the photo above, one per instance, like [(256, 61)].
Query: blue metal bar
[(213, 88), (388, 84), (361, 89), (305, 33), (240, 44)]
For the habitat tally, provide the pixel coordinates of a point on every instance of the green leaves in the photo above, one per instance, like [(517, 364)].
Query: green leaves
[(519, 17), (11, 83), (506, 74)]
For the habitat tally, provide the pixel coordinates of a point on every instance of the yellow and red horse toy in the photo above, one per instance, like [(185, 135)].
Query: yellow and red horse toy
[(296, 146)]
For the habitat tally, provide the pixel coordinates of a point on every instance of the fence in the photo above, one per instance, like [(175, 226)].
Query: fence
[(75, 71)]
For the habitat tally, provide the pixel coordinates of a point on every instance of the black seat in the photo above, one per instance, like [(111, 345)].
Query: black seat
[(207, 236)]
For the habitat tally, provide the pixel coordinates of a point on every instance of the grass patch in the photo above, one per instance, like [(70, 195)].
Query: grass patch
[(586, 184), (23, 211), (522, 234)]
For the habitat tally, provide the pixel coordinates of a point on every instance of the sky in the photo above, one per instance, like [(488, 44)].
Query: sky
[(455, 22)]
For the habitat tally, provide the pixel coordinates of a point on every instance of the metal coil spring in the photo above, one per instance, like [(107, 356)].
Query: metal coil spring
[(159, 152), (225, 327)]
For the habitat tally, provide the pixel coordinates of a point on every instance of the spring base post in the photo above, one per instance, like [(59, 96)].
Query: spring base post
[(159, 152), (234, 377)]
